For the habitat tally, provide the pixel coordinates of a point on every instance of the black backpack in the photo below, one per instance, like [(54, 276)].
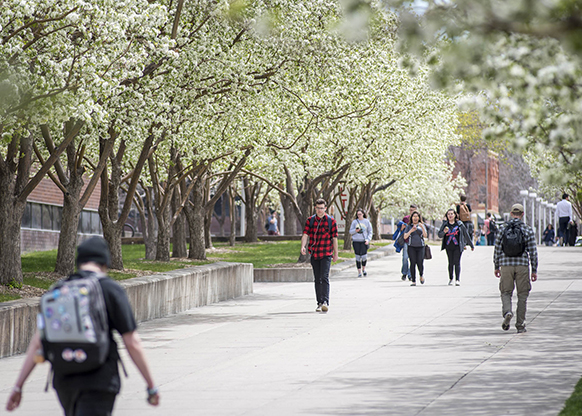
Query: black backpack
[(492, 226), (513, 240), (73, 324)]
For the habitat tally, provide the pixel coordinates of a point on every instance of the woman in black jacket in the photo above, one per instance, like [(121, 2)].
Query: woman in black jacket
[(455, 236)]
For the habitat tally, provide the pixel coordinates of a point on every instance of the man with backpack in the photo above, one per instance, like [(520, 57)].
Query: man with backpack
[(515, 251), (320, 239), (78, 339), (490, 229)]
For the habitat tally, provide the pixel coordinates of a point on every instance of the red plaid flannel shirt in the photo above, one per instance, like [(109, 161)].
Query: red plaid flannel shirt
[(320, 237)]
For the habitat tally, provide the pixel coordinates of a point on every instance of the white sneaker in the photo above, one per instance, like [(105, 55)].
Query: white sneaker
[(318, 309), (324, 307)]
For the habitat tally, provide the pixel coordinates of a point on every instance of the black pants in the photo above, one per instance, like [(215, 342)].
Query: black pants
[(454, 256), (563, 229), (491, 239), (87, 403), (416, 256), (321, 274)]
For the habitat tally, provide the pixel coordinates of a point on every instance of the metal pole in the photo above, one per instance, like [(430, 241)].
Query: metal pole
[(533, 196)]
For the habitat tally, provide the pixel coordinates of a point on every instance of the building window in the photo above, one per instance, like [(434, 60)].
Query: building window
[(57, 218), (36, 216), (27, 217), (47, 217), (50, 217)]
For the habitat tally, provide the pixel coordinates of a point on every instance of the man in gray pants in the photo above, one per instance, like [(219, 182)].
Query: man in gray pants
[(515, 251)]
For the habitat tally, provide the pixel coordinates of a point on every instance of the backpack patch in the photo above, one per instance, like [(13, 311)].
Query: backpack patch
[(73, 325), (513, 240)]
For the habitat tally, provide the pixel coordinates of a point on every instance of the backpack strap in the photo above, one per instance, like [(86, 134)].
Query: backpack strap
[(312, 221)]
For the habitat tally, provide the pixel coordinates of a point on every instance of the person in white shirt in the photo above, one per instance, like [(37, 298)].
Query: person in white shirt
[(563, 216)]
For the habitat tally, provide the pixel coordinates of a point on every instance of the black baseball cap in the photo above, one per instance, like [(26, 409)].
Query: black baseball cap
[(94, 249)]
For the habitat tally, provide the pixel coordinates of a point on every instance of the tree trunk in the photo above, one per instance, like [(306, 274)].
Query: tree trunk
[(232, 213), (11, 212), (150, 227), (113, 237), (65, 264), (111, 220), (290, 215), (251, 222), (179, 248), (375, 221), (73, 184), (195, 216), (251, 192), (13, 180), (163, 242), (108, 213), (207, 234)]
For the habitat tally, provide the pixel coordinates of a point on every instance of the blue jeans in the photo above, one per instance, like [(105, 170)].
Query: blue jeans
[(321, 275), (405, 268)]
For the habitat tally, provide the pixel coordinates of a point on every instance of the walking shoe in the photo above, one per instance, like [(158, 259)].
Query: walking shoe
[(421, 280), (403, 277), (413, 284), (506, 321), (319, 305), (324, 307), (521, 330), (457, 283), (359, 274), (365, 273), (450, 282)]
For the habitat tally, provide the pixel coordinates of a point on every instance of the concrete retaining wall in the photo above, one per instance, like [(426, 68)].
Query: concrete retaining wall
[(151, 297)]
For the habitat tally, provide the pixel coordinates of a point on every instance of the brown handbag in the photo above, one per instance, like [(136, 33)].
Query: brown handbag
[(427, 253)]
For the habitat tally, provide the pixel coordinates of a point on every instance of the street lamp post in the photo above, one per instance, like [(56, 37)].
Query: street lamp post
[(524, 194), (539, 234), (533, 197), (545, 223)]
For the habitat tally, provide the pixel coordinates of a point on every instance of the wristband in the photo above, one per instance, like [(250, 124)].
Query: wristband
[(152, 391), (17, 389)]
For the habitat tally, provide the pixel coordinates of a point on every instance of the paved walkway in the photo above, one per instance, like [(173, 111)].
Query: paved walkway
[(384, 348)]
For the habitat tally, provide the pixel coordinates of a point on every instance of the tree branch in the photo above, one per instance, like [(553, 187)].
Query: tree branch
[(50, 161)]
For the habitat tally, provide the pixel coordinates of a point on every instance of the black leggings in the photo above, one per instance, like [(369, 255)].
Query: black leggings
[(454, 255), (416, 256)]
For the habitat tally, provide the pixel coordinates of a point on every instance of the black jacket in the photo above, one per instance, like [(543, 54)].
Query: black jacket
[(464, 238)]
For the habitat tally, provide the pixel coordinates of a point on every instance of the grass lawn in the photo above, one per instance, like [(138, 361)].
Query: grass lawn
[(264, 254), (6, 298), (38, 267), (573, 406)]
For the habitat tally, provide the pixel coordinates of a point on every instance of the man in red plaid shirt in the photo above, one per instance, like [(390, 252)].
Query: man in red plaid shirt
[(321, 233)]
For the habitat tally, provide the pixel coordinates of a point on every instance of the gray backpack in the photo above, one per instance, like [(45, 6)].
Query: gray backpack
[(73, 324)]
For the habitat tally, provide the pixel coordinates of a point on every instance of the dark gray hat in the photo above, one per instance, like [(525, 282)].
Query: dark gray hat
[(94, 249)]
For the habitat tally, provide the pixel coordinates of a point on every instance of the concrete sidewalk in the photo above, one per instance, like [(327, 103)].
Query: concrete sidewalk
[(384, 348)]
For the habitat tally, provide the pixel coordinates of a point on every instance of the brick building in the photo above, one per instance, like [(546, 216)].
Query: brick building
[(41, 222), (480, 168)]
